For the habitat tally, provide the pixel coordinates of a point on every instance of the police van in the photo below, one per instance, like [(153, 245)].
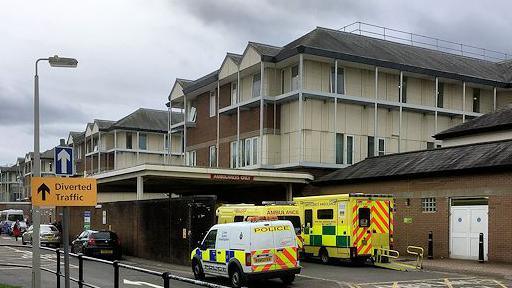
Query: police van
[(244, 251)]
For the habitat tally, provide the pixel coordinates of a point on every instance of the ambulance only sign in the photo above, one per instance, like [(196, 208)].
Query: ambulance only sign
[(56, 191)]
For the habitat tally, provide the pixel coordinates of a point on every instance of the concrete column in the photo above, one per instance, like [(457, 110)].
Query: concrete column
[(115, 149), (262, 94), (99, 152), (217, 149), (494, 99), (400, 113), (375, 115), (335, 104), (140, 187), (436, 96), (238, 119), (289, 192), (301, 108), (463, 101)]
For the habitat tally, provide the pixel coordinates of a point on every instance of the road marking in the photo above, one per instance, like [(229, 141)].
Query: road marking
[(13, 268), (140, 283), (500, 284), (340, 284), (395, 285), (448, 284), (6, 238), (418, 280)]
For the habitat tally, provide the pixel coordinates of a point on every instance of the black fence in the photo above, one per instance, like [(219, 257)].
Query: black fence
[(116, 265)]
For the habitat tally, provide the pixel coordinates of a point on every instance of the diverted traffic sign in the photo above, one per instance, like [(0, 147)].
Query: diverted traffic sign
[(56, 191), (63, 159)]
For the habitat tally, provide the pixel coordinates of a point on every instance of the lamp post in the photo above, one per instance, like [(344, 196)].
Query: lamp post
[(54, 61)]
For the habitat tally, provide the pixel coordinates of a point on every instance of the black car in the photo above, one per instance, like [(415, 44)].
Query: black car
[(100, 244)]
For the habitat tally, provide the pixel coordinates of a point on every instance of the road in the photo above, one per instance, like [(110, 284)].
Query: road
[(313, 274)]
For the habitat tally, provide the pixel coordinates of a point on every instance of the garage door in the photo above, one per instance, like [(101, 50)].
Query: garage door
[(466, 224)]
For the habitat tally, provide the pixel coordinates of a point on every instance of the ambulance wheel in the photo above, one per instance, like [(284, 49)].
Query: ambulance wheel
[(288, 279), (324, 256), (198, 270), (236, 277)]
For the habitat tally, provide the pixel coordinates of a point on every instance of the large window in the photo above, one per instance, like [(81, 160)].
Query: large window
[(476, 100), (256, 85), (191, 158), (234, 93), (339, 148), (251, 151), (350, 149), (213, 156), (233, 153), (295, 78), (404, 89), (428, 205), (382, 146), (440, 95), (371, 146), (324, 214), (213, 104), (143, 145), (340, 85), (129, 143)]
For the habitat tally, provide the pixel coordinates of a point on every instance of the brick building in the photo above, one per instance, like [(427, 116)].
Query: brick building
[(457, 191)]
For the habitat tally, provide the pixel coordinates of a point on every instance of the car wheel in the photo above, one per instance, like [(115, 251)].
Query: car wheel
[(324, 256), (288, 279), (198, 270), (236, 278)]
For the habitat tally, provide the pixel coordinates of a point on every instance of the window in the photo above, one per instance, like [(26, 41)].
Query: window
[(213, 156), (282, 81), (341, 81), (238, 218), (324, 214), (382, 146), (256, 85), (129, 141), (166, 142), (308, 218), (143, 141), (476, 100), (191, 158), (339, 148), (371, 146), (191, 113), (78, 152), (233, 153), (295, 78), (440, 94), (430, 145), (350, 149), (364, 217), (250, 151), (212, 104), (428, 205), (234, 93), (404, 89), (295, 222), (95, 144), (209, 240)]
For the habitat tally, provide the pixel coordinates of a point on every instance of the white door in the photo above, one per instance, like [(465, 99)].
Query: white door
[(466, 224)]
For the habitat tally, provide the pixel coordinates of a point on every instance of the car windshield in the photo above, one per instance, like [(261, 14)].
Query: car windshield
[(48, 228), (14, 217), (104, 235)]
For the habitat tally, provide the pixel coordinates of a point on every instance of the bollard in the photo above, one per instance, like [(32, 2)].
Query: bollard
[(430, 252), (80, 270), (481, 248), (165, 277), (57, 272), (116, 274)]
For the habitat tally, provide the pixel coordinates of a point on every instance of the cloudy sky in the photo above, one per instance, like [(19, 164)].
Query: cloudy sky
[(130, 51)]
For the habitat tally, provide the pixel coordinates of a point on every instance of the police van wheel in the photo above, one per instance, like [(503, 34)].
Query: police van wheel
[(198, 271), (237, 278), (324, 256), (288, 279)]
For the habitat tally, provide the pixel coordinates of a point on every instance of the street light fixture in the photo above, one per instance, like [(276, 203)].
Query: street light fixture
[(54, 61)]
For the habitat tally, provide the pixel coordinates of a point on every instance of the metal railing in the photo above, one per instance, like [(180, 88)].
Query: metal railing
[(116, 265), (424, 41)]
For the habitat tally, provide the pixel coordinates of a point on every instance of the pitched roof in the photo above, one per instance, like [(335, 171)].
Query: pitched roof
[(266, 49), (103, 124), (78, 137), (201, 82), (499, 120), (12, 168), (183, 82), (384, 53), (235, 57), (144, 119), (440, 161)]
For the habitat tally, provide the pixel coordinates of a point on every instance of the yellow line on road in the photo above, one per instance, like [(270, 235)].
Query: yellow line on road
[(448, 283), (395, 285)]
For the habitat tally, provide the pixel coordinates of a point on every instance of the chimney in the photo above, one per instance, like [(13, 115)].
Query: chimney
[(62, 142)]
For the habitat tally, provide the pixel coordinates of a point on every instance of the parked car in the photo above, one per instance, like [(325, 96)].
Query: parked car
[(100, 244), (49, 235)]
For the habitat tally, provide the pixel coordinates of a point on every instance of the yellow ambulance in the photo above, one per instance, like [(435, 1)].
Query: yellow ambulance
[(346, 226)]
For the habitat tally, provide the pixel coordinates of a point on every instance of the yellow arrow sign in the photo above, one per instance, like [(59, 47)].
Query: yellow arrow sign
[(56, 191)]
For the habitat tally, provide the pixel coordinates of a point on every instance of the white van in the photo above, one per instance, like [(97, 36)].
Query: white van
[(244, 251), (9, 217)]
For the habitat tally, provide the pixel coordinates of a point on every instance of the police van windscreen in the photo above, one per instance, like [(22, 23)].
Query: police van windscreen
[(295, 222), (14, 217)]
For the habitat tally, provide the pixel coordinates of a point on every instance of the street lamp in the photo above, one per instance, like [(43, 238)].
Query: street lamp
[(54, 61)]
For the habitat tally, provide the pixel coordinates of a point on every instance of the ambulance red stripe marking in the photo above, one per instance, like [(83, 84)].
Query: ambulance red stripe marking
[(376, 212), (378, 225)]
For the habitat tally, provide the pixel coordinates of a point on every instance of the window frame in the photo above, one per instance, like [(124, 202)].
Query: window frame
[(212, 104), (404, 90), (206, 238), (428, 205), (331, 79), (363, 217), (191, 158), (440, 95), (212, 156), (294, 79), (233, 150), (326, 216), (339, 152), (371, 150), (351, 149), (477, 99), (145, 137), (383, 151), (258, 86), (234, 89)]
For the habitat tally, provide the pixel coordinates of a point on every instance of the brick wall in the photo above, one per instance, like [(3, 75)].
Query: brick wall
[(494, 185)]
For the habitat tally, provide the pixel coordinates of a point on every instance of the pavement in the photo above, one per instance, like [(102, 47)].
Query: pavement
[(312, 275)]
